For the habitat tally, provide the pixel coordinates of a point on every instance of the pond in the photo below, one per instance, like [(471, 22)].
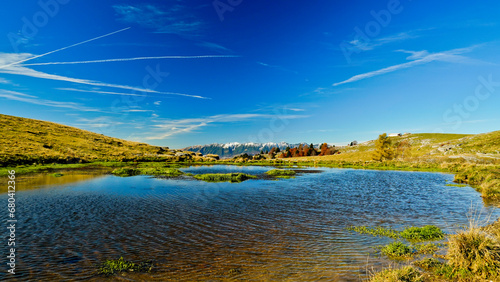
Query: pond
[(262, 229)]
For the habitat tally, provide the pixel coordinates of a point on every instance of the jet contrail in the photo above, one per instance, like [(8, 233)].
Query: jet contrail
[(131, 59), (129, 94), (60, 49)]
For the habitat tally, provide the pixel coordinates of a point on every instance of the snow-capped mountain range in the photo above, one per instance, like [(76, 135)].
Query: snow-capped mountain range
[(229, 150)]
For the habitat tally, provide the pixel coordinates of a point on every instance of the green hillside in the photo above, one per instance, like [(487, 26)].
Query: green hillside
[(28, 141), (434, 147)]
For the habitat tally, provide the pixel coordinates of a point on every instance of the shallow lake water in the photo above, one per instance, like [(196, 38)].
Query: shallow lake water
[(258, 230)]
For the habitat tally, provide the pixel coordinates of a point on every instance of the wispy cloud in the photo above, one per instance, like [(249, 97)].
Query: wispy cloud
[(17, 96), (136, 111), (296, 109), (5, 81), (327, 91), (366, 44), (14, 68), (276, 67), (176, 19), (169, 128), (131, 59), (214, 46), (419, 58)]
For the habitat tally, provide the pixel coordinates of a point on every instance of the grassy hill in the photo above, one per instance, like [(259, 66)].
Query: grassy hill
[(429, 147), (28, 141)]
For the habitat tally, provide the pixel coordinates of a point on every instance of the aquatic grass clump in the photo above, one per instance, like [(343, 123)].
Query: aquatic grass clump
[(223, 177), (124, 172), (161, 171), (375, 231), (57, 174), (283, 173), (397, 250), (157, 171), (110, 267), (426, 233), (474, 251), (405, 274)]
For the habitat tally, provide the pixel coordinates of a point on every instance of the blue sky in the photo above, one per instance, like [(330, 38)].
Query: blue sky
[(181, 73)]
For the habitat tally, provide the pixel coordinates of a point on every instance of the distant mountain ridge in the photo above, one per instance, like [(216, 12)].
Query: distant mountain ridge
[(229, 150)]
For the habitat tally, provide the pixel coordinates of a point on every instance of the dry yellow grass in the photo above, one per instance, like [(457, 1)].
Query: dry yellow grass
[(28, 141)]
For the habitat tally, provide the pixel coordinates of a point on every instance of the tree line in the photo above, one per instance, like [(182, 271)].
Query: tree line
[(302, 151)]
